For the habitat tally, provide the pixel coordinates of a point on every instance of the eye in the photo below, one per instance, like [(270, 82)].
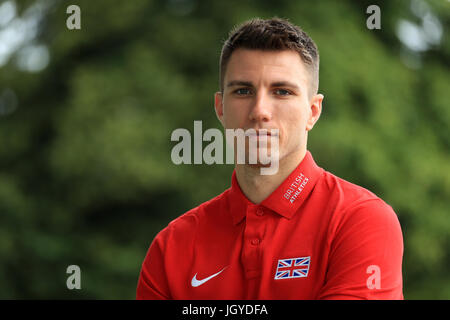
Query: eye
[(242, 91), (282, 92)]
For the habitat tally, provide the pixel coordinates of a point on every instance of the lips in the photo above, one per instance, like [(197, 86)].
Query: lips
[(261, 132)]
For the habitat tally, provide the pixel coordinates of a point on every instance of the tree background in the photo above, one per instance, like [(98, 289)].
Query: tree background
[(86, 117)]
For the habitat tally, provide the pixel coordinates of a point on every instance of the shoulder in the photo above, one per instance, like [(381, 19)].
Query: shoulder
[(355, 207), (364, 232), (345, 190), (185, 227)]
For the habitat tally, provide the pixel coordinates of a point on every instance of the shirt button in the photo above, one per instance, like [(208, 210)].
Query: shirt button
[(260, 211), (255, 242)]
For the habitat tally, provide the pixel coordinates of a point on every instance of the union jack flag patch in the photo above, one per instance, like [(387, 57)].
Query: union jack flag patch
[(292, 268)]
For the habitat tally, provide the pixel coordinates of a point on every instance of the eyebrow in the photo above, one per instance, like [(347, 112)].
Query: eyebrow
[(234, 83), (285, 84)]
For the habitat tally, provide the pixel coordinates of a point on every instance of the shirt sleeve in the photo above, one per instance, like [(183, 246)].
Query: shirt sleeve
[(366, 252), (152, 283)]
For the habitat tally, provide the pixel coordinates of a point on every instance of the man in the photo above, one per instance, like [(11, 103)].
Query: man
[(300, 233)]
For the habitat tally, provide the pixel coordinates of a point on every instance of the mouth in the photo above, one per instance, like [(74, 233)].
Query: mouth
[(261, 132)]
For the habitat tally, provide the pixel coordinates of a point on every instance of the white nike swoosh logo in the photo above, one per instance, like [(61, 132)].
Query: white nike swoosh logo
[(195, 282)]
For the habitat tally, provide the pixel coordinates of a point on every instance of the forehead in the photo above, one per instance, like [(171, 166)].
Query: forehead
[(248, 65)]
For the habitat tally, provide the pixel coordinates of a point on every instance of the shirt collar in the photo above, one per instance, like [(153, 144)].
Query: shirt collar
[(286, 199)]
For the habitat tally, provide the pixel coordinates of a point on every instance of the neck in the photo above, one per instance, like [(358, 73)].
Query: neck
[(257, 187)]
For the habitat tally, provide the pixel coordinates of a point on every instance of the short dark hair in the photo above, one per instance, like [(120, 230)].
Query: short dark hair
[(272, 34)]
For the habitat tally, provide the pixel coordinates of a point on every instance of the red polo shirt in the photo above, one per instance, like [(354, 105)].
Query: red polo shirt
[(315, 237)]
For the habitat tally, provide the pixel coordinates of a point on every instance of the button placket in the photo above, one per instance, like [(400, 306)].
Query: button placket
[(253, 240), (260, 211)]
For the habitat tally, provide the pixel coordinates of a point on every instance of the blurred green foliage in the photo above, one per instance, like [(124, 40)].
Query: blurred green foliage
[(85, 171)]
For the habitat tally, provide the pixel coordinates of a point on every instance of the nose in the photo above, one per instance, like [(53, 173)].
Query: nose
[(261, 111)]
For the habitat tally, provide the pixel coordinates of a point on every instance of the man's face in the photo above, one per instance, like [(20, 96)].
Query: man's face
[(269, 90)]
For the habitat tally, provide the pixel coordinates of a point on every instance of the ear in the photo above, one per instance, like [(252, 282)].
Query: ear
[(218, 105), (315, 111)]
